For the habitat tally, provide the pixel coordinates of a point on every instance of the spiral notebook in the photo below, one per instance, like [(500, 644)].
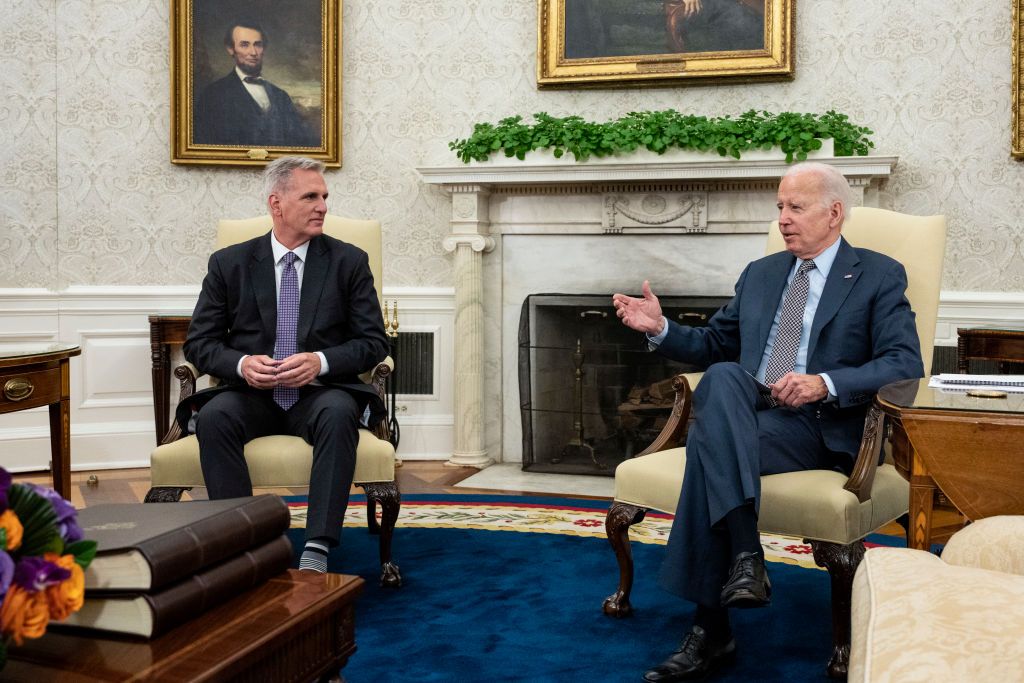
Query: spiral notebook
[(1014, 383)]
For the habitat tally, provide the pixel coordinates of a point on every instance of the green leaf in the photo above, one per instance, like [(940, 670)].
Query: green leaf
[(83, 551), (37, 518)]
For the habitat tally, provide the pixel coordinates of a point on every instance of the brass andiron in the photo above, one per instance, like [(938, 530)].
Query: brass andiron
[(577, 446), (391, 330)]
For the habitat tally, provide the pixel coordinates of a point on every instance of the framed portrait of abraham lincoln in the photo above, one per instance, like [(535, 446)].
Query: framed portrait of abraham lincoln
[(253, 80), (605, 43)]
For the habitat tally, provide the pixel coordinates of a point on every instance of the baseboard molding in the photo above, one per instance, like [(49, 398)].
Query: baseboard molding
[(1000, 310)]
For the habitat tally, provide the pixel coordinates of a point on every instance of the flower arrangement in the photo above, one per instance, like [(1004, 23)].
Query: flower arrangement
[(42, 561)]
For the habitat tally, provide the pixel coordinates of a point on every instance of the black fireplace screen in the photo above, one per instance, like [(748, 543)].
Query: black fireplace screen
[(591, 394)]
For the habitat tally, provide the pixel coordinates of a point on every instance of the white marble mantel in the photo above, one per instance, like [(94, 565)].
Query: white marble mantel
[(688, 222)]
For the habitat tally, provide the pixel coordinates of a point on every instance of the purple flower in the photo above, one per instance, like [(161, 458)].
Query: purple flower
[(67, 525), (6, 573), (5, 483), (34, 574)]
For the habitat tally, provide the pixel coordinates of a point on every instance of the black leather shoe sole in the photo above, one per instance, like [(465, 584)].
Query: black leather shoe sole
[(664, 674), (744, 598)]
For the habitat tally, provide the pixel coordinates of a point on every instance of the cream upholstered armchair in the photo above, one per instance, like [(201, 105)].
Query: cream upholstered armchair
[(958, 618), (832, 511), (285, 461)]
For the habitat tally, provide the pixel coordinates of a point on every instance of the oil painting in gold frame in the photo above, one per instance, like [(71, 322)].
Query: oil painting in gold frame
[(1017, 88), (253, 80), (606, 43)]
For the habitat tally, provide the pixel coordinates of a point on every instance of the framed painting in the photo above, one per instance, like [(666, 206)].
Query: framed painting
[(253, 80), (1017, 59), (604, 43)]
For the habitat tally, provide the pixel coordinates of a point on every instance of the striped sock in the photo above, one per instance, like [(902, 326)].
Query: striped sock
[(314, 557)]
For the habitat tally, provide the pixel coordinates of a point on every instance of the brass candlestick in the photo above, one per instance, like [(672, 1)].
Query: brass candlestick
[(391, 330)]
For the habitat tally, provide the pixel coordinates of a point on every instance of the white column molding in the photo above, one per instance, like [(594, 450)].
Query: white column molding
[(469, 241)]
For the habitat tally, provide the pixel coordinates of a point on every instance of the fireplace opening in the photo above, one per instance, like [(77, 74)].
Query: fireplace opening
[(591, 394)]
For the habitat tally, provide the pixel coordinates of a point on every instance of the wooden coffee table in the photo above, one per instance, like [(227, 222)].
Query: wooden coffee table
[(296, 627)]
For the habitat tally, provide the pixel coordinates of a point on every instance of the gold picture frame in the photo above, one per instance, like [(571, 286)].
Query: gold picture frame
[(606, 43), (253, 80), (1017, 87)]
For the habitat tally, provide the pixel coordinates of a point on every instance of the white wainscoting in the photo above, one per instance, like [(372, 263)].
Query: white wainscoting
[(111, 385), (111, 391)]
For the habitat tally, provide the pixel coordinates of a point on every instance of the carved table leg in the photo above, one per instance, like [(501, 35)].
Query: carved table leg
[(841, 561), (390, 503), (165, 494), (620, 517)]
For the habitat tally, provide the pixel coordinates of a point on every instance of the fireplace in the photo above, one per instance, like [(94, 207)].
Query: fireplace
[(591, 394)]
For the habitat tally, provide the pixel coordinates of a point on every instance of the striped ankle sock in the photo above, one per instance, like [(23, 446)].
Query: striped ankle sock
[(314, 557)]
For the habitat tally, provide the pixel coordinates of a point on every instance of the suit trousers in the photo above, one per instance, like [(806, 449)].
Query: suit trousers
[(735, 439), (327, 418)]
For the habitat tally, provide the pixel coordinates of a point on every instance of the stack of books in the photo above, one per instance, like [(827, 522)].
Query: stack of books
[(158, 565)]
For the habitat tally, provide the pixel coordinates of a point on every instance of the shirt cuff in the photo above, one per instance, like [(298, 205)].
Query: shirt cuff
[(323, 363), (832, 395), (656, 340), (238, 368)]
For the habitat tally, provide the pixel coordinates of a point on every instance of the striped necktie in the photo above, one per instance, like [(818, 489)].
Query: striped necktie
[(791, 323), (287, 324)]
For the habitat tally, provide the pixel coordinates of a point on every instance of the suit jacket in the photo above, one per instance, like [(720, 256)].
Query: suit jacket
[(226, 114), (236, 314), (863, 334)]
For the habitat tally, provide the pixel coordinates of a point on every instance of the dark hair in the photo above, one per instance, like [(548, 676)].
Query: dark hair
[(229, 35)]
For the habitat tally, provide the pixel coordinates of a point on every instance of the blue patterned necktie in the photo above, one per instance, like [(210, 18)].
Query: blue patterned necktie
[(287, 323), (791, 322)]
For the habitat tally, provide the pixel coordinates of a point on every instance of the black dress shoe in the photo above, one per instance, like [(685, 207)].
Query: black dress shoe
[(748, 584), (696, 657)]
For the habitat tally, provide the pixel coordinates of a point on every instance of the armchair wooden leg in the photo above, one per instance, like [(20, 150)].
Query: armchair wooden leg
[(390, 502), (620, 517), (165, 494), (841, 561)]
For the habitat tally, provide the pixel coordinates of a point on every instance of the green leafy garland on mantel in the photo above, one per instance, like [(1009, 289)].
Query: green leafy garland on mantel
[(795, 134)]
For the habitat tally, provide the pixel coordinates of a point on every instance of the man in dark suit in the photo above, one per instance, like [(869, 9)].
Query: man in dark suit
[(824, 325), (288, 321), (243, 108)]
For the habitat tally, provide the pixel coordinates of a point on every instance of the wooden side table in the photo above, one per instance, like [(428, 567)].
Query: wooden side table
[(1004, 346), (165, 331), (969, 448), (297, 627), (37, 375)]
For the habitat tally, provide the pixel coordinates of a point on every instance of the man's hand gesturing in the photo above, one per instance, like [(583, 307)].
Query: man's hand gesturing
[(642, 315)]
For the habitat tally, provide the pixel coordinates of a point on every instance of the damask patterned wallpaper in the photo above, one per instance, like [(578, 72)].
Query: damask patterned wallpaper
[(89, 197)]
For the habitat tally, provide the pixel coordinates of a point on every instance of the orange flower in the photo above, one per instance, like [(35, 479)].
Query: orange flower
[(23, 614), (10, 522), (67, 596)]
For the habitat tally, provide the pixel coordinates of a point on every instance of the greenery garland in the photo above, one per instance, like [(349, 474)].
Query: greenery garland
[(795, 134)]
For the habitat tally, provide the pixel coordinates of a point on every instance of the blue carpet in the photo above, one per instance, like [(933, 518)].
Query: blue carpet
[(506, 606)]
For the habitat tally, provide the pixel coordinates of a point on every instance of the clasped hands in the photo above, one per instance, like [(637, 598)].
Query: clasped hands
[(264, 372), (644, 314)]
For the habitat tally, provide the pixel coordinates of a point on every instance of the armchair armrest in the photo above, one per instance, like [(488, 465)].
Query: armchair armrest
[(674, 432), (378, 374), (187, 375)]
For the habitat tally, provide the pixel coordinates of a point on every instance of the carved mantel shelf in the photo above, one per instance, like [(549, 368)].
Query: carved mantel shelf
[(642, 196), (653, 168)]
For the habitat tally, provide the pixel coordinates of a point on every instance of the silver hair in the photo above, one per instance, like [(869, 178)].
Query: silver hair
[(834, 186), (278, 172)]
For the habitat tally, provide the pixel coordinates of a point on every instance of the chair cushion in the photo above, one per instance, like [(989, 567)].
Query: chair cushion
[(995, 543), (917, 618), (811, 504), (273, 461)]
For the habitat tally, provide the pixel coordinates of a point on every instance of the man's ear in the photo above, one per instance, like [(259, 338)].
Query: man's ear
[(274, 205), (835, 215)]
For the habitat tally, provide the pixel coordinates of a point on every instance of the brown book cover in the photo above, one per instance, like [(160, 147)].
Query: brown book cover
[(150, 614), (145, 546)]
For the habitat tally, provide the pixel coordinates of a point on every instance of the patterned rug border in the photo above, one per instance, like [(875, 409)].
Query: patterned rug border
[(563, 516)]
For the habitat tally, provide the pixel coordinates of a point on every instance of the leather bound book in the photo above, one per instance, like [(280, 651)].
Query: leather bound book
[(145, 546), (150, 614)]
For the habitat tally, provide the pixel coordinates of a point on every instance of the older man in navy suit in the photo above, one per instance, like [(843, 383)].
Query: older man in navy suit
[(243, 108), (793, 362)]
